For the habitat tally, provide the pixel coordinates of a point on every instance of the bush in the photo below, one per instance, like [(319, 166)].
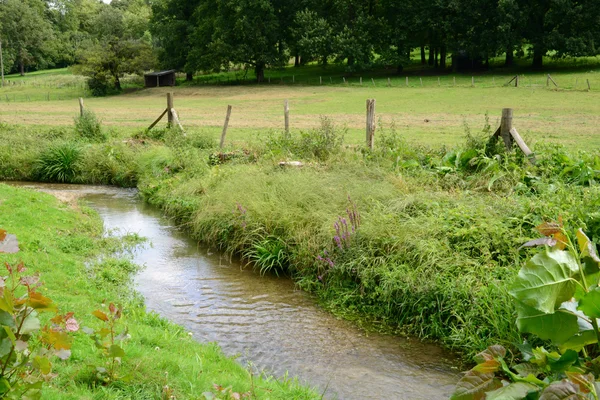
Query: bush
[(100, 84), (88, 126), (58, 163)]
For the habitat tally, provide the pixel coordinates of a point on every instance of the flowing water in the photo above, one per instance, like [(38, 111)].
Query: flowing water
[(265, 320)]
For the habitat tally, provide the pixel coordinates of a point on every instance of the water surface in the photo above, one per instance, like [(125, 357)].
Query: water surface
[(265, 320)]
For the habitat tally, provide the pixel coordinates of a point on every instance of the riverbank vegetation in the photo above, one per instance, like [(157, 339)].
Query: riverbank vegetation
[(421, 240), (154, 359)]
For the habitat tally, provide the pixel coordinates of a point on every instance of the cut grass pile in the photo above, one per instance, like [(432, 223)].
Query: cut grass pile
[(59, 242)]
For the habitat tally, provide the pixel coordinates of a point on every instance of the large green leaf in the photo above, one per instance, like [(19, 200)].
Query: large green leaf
[(544, 325), (590, 303), (578, 341), (514, 391), (473, 386), (545, 282)]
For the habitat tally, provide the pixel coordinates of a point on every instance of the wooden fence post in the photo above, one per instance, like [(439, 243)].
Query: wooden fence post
[(506, 126), (373, 80), (389, 82), (371, 123), (225, 127), (588, 83), (361, 81), (81, 106), (421, 79), (169, 108), (454, 80), (517, 81), (286, 114), (407, 81)]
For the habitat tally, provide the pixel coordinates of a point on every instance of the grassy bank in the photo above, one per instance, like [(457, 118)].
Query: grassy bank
[(59, 241), (434, 248)]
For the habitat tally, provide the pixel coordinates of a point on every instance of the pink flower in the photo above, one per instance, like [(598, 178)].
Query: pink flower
[(72, 325)]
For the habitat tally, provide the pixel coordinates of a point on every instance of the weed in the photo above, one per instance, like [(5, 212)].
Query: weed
[(88, 126)]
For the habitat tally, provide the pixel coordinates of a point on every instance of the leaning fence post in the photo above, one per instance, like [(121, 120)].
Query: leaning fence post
[(224, 133), (81, 106), (506, 126), (286, 114), (169, 108), (371, 123)]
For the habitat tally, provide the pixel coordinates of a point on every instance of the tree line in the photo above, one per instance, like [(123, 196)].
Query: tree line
[(128, 36)]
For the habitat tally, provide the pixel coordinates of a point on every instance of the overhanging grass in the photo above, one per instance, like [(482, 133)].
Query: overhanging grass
[(57, 241)]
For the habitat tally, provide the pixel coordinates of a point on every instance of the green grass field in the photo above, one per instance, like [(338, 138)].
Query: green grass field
[(430, 114)]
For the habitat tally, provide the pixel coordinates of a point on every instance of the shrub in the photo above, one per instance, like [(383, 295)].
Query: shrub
[(58, 164), (88, 126)]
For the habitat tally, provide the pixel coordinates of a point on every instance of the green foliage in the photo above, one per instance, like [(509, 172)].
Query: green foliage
[(319, 144), (88, 126), (27, 348), (268, 255), (59, 163), (109, 340), (558, 300)]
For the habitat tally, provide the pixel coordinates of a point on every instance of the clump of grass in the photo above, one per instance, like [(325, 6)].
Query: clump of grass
[(59, 163), (319, 144), (88, 126)]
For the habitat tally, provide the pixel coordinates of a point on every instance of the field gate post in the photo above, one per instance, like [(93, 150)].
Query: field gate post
[(286, 115), (169, 108), (371, 123), (81, 106), (225, 125), (506, 125)]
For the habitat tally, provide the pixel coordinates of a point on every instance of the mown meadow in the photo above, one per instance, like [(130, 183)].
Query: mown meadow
[(419, 236)]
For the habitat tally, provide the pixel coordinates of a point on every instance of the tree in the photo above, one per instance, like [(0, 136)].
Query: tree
[(245, 32), (172, 25), (115, 51), (26, 34)]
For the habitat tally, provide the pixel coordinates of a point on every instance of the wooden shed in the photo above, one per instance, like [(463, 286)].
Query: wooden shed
[(160, 78)]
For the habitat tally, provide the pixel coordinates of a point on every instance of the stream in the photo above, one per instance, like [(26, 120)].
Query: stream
[(264, 320)]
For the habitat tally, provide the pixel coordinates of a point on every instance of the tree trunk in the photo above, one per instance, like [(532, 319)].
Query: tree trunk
[(296, 60), (443, 57), (22, 67), (454, 63), (117, 83), (189, 76), (259, 70), (436, 64), (423, 59), (538, 58), (350, 61), (431, 55), (510, 57)]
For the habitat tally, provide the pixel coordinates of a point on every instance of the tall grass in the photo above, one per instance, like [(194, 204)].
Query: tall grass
[(59, 163)]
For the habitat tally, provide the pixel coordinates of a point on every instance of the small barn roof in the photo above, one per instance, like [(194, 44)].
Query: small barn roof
[(161, 73)]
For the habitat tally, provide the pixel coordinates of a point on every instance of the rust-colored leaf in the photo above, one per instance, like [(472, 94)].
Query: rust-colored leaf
[(39, 302), (473, 386), (487, 366), (100, 315), (59, 340), (561, 240), (585, 382), (549, 228), (112, 308), (491, 353), (3, 234)]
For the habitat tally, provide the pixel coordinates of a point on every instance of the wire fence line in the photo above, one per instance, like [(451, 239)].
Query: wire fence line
[(13, 90)]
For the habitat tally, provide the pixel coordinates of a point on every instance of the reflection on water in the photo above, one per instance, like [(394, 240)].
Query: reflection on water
[(264, 319)]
